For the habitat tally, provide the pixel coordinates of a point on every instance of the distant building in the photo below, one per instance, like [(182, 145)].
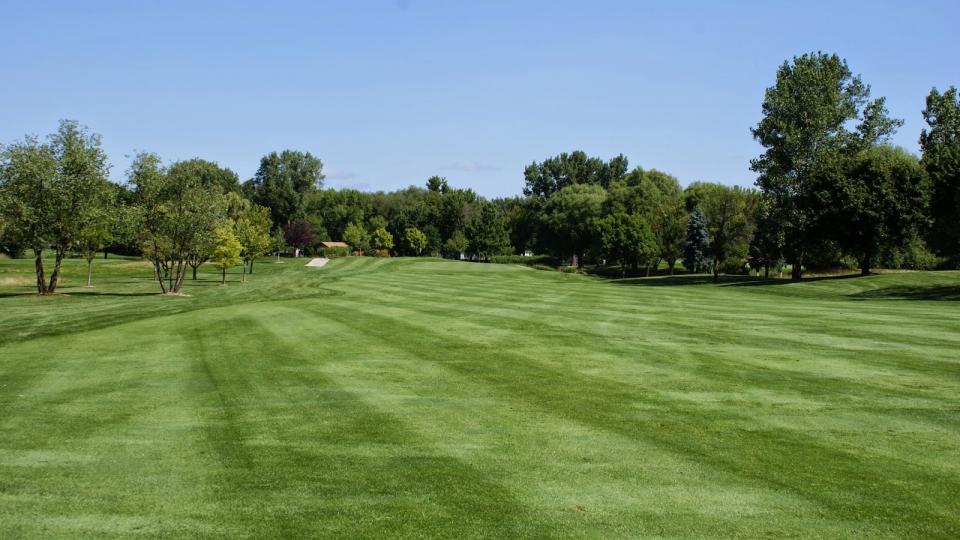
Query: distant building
[(334, 245)]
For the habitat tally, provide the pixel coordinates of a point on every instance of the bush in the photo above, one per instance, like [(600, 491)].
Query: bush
[(913, 256), (544, 260), (570, 270), (543, 267), (334, 252)]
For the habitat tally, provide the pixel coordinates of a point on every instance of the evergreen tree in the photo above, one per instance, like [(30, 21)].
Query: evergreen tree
[(698, 241)]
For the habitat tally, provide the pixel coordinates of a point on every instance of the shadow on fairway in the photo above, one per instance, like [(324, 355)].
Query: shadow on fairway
[(935, 293), (722, 281)]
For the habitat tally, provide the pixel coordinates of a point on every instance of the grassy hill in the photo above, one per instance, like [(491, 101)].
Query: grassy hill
[(424, 398)]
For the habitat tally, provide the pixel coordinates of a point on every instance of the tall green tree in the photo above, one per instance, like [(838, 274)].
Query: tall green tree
[(52, 191), (940, 143), (283, 183), (356, 237), (207, 173), (876, 200), (570, 216), (697, 241), (806, 120), (487, 233), (552, 175), (178, 213), (766, 246), (626, 239), (667, 216), (728, 213)]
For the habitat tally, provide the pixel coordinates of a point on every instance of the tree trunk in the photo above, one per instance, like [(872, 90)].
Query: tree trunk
[(223, 279), (671, 264), (716, 273), (159, 275), (104, 254), (243, 274), (55, 276), (194, 272), (865, 265), (41, 276), (90, 272), (796, 271), (251, 267), (766, 271)]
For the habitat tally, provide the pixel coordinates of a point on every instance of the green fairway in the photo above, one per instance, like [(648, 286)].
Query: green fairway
[(381, 397)]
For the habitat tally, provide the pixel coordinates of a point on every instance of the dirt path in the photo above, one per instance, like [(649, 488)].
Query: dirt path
[(319, 261)]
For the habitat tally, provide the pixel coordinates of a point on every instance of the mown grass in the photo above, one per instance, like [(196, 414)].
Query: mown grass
[(425, 398)]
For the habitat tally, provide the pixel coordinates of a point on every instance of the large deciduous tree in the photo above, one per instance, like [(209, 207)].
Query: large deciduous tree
[(876, 199), (940, 143), (728, 213), (179, 213), (552, 175), (356, 237), (626, 239), (806, 120), (52, 192), (283, 183), (570, 215)]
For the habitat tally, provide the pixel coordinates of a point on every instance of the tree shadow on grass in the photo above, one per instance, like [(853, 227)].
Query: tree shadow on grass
[(722, 281), (950, 293)]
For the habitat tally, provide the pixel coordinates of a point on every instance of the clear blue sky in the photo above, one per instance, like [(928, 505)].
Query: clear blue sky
[(388, 93)]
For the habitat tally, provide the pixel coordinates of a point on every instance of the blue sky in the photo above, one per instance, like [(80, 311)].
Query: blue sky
[(388, 93)]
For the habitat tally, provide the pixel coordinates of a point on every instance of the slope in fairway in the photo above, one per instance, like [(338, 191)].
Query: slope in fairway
[(427, 398)]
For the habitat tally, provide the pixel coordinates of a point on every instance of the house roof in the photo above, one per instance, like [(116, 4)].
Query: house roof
[(334, 244)]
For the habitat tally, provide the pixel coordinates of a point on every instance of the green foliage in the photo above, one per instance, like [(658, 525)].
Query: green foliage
[(382, 241), (283, 183), (532, 260), (356, 236), (626, 239), (697, 241), (252, 229), (456, 245), (570, 215), (875, 200), (228, 250), (805, 122), (940, 144), (487, 233), (53, 193), (728, 213), (334, 252), (544, 179), (207, 174), (178, 214), (414, 241)]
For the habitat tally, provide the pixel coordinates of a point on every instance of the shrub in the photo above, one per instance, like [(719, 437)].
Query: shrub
[(570, 270), (543, 267), (532, 260), (334, 252)]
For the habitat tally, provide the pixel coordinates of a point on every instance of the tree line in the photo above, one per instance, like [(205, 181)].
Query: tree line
[(831, 191)]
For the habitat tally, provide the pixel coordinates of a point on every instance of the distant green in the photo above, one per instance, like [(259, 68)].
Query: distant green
[(379, 397)]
